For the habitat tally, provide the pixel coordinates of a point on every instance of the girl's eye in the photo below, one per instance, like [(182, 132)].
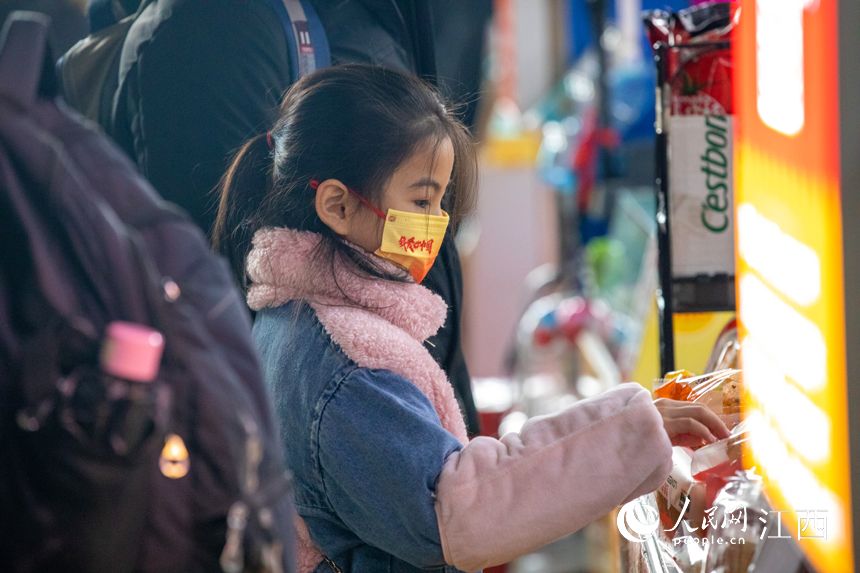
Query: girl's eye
[(422, 204)]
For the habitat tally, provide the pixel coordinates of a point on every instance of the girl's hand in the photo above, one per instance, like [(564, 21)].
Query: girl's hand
[(690, 424)]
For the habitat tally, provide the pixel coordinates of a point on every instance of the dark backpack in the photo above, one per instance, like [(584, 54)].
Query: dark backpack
[(89, 71), (86, 242), (92, 72)]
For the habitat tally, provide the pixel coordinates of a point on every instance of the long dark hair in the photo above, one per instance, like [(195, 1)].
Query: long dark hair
[(355, 123)]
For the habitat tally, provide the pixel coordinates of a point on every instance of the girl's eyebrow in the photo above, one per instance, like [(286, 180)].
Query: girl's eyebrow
[(426, 182)]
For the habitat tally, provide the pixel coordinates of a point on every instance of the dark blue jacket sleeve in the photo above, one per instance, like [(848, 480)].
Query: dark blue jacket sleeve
[(381, 449)]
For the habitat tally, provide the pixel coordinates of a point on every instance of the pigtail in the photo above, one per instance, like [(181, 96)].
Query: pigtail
[(243, 190)]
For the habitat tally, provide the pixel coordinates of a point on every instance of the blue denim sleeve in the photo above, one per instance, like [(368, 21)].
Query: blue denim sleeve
[(381, 449)]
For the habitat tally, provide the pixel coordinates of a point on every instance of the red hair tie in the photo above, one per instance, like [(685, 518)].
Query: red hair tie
[(269, 140)]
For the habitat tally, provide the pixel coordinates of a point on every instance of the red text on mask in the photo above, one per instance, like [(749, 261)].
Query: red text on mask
[(411, 244)]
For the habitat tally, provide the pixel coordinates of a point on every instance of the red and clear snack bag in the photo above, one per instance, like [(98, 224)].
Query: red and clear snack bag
[(720, 391), (686, 500), (680, 495), (714, 464), (699, 473)]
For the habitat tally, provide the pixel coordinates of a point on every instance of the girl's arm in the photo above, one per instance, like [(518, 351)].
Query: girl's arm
[(403, 484), (499, 499)]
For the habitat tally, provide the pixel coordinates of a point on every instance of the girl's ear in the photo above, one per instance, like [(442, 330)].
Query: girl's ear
[(335, 206)]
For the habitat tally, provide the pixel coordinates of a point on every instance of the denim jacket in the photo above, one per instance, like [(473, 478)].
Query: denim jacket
[(366, 448)]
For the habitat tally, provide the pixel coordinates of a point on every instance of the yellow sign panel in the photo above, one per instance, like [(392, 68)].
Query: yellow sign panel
[(790, 270), (792, 331)]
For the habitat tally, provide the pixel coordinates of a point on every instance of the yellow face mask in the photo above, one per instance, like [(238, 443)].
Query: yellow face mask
[(411, 240)]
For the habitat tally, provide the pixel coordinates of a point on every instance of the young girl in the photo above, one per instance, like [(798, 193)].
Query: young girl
[(332, 220)]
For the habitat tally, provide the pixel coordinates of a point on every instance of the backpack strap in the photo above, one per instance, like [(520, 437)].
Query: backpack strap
[(307, 44), (23, 48), (105, 13)]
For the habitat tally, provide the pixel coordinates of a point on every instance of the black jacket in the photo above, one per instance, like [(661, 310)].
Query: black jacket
[(206, 75)]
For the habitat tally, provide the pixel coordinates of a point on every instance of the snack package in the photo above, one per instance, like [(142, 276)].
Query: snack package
[(720, 391), (696, 114), (674, 385), (696, 479), (680, 492), (669, 550), (714, 464), (740, 512), (699, 72)]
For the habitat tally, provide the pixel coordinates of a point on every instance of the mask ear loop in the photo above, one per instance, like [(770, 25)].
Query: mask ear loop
[(376, 210)]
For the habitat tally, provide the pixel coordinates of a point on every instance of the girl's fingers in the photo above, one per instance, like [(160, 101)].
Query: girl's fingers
[(688, 441), (677, 426), (707, 417)]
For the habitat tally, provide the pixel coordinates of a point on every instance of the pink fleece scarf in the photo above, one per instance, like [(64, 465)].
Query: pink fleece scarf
[(378, 324)]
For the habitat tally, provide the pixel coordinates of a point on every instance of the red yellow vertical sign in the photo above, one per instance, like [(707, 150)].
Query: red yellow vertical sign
[(790, 270)]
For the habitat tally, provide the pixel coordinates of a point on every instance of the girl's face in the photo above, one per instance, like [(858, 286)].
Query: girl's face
[(417, 186)]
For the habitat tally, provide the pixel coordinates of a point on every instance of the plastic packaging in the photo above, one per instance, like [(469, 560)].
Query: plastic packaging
[(680, 494), (699, 474), (712, 512), (721, 458), (714, 464), (741, 512), (700, 74), (720, 391), (726, 352)]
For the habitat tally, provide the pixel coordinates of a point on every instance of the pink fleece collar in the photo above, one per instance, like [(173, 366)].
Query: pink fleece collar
[(283, 266)]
